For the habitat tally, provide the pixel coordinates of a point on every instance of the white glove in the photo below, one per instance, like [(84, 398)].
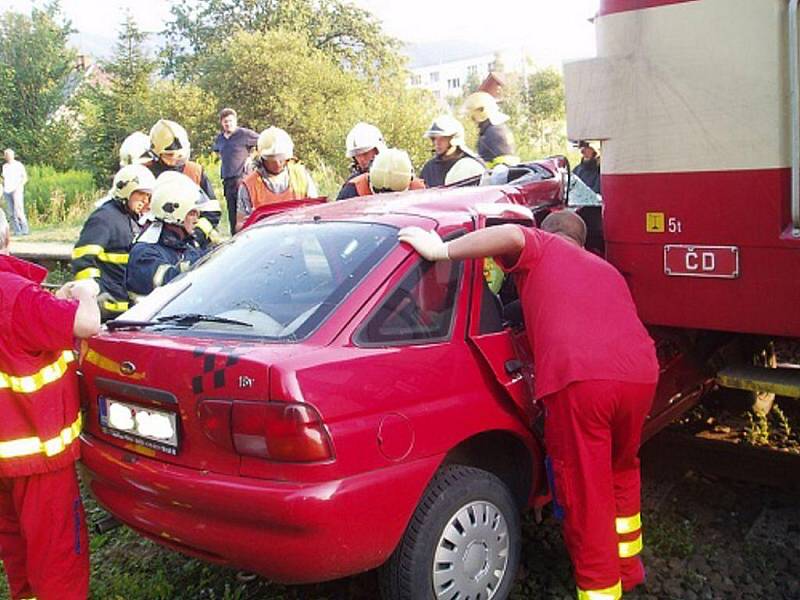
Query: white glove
[(427, 243)]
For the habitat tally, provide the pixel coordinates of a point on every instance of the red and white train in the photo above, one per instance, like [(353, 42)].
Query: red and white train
[(695, 103)]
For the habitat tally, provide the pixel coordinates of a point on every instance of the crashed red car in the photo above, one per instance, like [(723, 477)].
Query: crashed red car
[(313, 400)]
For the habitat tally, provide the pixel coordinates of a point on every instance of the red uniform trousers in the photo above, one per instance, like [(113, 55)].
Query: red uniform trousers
[(43, 540), (592, 434)]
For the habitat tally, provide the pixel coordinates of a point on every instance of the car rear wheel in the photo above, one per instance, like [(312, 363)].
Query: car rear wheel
[(463, 542)]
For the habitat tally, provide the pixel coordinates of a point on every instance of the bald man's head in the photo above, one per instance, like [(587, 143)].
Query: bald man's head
[(567, 224)]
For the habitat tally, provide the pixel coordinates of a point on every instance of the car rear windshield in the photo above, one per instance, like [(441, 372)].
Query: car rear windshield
[(282, 280)]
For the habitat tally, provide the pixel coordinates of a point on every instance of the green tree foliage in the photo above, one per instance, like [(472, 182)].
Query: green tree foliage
[(349, 35), (36, 76), (537, 109), (134, 100), (278, 78)]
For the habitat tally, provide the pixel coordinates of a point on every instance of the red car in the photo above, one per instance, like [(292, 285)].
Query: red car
[(313, 400)]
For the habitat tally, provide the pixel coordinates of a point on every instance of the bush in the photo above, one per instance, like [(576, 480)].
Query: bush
[(53, 197)]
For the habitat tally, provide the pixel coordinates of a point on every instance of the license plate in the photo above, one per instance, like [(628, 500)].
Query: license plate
[(721, 262), (156, 429)]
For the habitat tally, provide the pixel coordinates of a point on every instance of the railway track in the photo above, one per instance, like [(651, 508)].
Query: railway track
[(742, 462)]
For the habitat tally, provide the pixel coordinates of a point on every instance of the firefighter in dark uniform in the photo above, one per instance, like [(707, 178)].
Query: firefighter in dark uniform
[(495, 140), (589, 168), (167, 247), (391, 171), (452, 156), (169, 144), (363, 144), (101, 252)]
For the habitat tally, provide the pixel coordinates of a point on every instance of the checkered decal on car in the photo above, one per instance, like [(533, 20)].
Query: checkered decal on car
[(216, 359)]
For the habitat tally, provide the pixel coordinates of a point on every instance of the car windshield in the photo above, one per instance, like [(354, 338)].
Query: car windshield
[(272, 281)]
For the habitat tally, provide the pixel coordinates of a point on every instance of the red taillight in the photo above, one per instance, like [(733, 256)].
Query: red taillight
[(214, 417), (280, 431)]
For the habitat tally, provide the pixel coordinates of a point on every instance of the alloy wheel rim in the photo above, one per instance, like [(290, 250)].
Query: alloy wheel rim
[(471, 557)]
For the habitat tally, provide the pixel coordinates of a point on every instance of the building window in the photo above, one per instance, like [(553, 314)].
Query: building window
[(434, 77), (472, 70), (416, 80), (454, 84), (491, 66)]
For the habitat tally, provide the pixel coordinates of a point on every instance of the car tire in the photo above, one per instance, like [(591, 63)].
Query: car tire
[(463, 541)]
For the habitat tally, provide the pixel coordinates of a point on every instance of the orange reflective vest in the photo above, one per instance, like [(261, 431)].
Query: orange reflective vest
[(260, 194), (193, 171), (361, 183), (39, 408)]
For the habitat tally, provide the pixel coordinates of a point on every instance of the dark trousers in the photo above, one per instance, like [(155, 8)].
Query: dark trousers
[(230, 185)]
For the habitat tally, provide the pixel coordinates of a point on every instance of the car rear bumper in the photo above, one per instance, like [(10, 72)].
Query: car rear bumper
[(288, 532)]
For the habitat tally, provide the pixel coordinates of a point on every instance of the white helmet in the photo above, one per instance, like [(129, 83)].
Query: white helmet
[(363, 137), (168, 137), (135, 149), (481, 106), (447, 126), (391, 171), (132, 178), (274, 141), (466, 167), (174, 196)]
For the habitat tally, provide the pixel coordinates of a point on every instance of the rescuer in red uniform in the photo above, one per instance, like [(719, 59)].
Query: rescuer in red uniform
[(43, 539), (596, 372)]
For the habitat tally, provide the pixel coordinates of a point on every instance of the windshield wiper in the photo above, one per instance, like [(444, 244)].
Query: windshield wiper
[(181, 320), (189, 319)]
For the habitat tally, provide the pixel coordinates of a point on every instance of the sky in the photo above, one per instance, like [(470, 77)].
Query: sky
[(550, 30)]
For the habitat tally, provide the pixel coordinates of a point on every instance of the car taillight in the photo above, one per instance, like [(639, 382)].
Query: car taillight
[(214, 417), (279, 431)]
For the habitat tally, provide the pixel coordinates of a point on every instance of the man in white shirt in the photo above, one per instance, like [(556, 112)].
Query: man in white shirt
[(14, 179)]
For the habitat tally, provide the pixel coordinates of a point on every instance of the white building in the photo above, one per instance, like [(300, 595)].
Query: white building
[(445, 76)]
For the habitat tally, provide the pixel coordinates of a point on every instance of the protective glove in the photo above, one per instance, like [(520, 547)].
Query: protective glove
[(427, 243)]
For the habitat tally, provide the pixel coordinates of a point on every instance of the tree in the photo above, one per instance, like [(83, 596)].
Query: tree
[(537, 109), (134, 101), (278, 78), (36, 73), (351, 36)]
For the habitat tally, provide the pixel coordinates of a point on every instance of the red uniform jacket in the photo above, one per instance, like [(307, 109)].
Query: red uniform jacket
[(39, 406)]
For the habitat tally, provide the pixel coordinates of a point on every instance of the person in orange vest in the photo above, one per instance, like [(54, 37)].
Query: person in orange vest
[(364, 142), (43, 538), (391, 171), (169, 144), (277, 177), (596, 373)]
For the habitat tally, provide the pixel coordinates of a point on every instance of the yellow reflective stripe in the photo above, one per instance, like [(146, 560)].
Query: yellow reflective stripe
[(28, 384), (134, 298), (118, 258), (89, 273), (298, 179), (107, 364), (503, 159), (629, 524), (115, 258), (628, 549), (80, 251), (204, 225), (161, 271), (612, 593), (115, 306), (33, 445)]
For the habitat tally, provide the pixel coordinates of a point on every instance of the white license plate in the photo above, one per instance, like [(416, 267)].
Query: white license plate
[(142, 425)]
